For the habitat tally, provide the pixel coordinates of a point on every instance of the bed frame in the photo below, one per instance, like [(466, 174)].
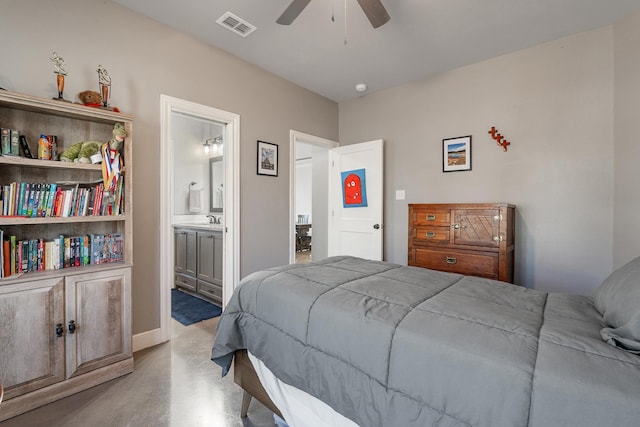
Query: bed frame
[(245, 376)]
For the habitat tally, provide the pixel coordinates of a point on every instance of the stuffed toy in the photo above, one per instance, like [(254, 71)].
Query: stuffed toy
[(80, 152), (92, 98)]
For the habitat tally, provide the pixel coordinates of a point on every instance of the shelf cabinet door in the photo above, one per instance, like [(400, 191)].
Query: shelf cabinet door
[(31, 354), (99, 304), (185, 251)]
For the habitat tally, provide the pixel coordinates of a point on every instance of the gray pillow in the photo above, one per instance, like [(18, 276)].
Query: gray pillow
[(618, 300)]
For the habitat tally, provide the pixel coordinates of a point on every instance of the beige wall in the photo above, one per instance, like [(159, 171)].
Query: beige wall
[(554, 102), (626, 226), (569, 107), (146, 59)]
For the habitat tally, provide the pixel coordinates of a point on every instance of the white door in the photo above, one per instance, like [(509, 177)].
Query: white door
[(355, 200)]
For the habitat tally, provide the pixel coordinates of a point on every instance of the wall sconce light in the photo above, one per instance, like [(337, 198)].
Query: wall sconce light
[(208, 145)]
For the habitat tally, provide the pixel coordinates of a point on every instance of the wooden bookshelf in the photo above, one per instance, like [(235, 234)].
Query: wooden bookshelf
[(67, 329)]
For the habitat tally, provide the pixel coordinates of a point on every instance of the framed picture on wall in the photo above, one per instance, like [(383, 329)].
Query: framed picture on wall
[(456, 154), (267, 158)]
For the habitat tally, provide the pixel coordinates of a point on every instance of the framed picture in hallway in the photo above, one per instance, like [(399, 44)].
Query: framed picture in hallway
[(456, 154), (267, 158)]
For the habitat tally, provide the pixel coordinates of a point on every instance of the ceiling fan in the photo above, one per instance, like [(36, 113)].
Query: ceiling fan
[(374, 10)]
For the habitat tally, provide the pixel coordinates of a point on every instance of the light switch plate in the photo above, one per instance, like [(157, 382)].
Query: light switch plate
[(399, 194)]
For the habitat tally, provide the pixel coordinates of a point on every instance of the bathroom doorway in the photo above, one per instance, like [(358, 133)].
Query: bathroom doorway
[(209, 129)]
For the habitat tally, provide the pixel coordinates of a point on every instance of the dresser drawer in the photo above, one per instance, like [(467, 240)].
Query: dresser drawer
[(458, 262), (184, 281), (433, 217), (432, 234), (210, 290)]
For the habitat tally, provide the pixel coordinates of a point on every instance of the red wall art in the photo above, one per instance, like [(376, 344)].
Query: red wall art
[(354, 189)]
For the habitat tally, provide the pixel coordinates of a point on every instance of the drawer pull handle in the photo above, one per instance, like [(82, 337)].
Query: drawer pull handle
[(431, 217), (431, 234), (451, 260)]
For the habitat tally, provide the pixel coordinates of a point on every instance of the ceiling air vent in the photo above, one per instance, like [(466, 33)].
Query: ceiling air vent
[(235, 24)]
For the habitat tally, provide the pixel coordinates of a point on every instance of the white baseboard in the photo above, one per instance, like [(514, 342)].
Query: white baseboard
[(147, 339)]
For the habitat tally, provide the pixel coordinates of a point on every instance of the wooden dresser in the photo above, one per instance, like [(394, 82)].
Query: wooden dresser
[(476, 239)]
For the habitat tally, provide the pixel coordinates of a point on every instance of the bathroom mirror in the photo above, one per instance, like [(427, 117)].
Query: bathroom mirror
[(216, 180)]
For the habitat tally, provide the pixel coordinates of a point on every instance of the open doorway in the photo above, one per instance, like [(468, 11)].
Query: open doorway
[(308, 195), (173, 113)]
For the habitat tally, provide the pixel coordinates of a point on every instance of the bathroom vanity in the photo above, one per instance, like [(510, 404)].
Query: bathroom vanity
[(198, 260)]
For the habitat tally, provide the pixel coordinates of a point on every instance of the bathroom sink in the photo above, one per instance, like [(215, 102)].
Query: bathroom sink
[(200, 225)]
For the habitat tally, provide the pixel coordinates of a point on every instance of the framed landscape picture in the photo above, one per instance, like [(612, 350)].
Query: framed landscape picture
[(267, 158), (456, 154)]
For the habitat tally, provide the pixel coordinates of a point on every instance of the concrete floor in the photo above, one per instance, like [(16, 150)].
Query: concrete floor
[(173, 384)]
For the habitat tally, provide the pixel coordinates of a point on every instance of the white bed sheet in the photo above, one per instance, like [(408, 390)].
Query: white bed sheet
[(298, 408)]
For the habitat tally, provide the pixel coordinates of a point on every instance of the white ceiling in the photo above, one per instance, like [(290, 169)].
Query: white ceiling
[(423, 37)]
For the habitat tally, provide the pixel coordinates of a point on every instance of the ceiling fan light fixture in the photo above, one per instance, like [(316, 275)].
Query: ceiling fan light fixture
[(374, 9)]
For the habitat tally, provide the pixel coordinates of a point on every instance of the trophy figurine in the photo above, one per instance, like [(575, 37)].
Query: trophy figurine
[(60, 72), (104, 84)]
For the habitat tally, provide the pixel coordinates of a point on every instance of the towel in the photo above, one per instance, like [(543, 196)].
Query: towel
[(195, 204)]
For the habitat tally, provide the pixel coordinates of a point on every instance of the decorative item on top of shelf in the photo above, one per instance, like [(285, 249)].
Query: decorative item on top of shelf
[(456, 154), (501, 140), (267, 158), (91, 98), (104, 83), (60, 72), (112, 163)]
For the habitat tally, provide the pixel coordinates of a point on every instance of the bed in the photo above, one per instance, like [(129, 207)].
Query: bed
[(389, 345)]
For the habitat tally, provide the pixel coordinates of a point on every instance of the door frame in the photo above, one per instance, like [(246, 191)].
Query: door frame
[(295, 137), (231, 242)]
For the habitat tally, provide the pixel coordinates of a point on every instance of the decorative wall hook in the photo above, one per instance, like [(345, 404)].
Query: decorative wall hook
[(500, 140)]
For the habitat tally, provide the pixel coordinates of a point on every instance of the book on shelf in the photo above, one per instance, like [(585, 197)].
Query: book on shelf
[(6, 257), (15, 142), (25, 147), (5, 141), (33, 255), (2, 269), (41, 200)]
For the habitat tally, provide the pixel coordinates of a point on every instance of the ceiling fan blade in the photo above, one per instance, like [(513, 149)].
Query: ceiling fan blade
[(292, 12), (375, 11)]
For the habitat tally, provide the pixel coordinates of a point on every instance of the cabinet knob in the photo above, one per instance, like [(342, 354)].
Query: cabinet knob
[(72, 326), (376, 226), (59, 329)]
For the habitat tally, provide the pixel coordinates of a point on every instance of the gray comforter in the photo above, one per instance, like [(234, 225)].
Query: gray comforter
[(391, 346)]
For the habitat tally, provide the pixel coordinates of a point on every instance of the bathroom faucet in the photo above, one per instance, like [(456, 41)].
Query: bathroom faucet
[(212, 219)]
